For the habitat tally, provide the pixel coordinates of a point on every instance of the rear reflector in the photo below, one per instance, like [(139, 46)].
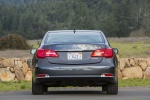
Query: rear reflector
[(107, 75), (42, 75), (107, 53), (42, 53)]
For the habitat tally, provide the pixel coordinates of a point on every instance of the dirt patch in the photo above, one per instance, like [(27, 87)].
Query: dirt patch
[(15, 53)]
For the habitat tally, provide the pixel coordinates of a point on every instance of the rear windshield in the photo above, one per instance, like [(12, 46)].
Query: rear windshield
[(74, 38)]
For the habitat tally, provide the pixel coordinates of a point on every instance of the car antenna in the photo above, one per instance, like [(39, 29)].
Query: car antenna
[(74, 31)]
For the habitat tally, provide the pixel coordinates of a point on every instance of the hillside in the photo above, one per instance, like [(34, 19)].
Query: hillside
[(32, 18)]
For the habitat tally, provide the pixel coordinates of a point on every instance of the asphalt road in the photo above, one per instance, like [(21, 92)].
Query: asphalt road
[(79, 94)]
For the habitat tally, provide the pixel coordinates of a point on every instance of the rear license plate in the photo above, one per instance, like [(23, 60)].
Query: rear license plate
[(74, 56)]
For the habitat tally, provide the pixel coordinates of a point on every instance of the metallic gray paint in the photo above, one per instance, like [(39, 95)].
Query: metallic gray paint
[(63, 72)]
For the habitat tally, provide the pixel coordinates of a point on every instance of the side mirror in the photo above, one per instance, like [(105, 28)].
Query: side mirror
[(32, 51), (115, 50)]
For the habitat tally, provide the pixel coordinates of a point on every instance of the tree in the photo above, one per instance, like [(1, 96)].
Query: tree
[(32, 18), (80, 19)]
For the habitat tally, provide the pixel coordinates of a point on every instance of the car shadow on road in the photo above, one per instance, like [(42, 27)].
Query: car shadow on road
[(74, 92)]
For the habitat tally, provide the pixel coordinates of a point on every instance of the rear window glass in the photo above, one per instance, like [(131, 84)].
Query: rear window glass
[(73, 38)]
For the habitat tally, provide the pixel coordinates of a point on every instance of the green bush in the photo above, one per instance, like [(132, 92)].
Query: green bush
[(13, 41)]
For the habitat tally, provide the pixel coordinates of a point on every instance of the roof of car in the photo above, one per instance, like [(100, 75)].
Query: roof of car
[(74, 31)]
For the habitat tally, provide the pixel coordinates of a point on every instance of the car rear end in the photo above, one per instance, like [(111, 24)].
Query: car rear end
[(81, 58)]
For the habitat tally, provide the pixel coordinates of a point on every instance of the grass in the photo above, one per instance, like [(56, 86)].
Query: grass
[(20, 85), (131, 47), (26, 85), (137, 49), (134, 82)]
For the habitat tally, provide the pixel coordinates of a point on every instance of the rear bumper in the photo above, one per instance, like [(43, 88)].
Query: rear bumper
[(76, 80), (75, 75)]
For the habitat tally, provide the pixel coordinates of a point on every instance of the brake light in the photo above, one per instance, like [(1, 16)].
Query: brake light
[(51, 53), (98, 53), (107, 53), (42, 53)]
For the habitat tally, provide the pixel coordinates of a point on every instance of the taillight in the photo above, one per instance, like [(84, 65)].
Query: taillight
[(42, 53), (51, 53), (98, 53), (107, 53)]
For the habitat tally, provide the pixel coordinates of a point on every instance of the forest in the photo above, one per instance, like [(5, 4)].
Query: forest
[(116, 18)]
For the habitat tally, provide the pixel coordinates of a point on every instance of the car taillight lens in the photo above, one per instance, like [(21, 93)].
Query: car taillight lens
[(107, 53), (42, 53), (51, 53), (98, 53)]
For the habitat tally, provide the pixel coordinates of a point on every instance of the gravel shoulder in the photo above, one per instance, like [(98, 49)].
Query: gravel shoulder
[(15, 53)]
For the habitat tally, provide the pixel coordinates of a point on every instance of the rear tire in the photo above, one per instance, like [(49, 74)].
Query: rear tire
[(37, 89), (112, 88)]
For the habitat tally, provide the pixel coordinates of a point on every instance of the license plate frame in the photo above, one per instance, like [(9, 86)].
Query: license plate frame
[(74, 56)]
